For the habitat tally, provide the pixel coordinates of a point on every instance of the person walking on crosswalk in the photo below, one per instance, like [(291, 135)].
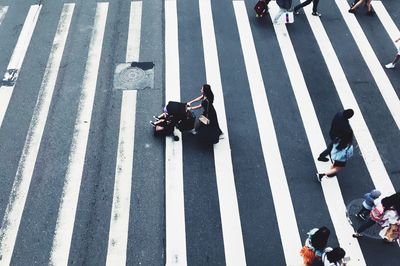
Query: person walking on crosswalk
[(353, 8), (396, 59), (340, 127), (306, 3)]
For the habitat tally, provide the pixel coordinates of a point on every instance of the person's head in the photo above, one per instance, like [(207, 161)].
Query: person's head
[(348, 113), (392, 201), (206, 91), (335, 255), (320, 238)]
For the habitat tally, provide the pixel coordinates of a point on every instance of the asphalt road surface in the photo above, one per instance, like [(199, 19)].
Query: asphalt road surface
[(83, 181)]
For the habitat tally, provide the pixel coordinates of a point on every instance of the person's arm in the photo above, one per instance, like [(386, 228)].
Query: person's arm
[(195, 107), (195, 100)]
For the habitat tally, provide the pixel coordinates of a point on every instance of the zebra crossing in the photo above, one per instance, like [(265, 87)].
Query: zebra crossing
[(195, 225)]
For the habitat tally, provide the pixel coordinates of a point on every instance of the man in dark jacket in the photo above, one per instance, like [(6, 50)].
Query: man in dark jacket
[(340, 128), (305, 3)]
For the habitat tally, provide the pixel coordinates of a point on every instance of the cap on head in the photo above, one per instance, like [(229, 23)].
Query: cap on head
[(375, 193), (348, 113)]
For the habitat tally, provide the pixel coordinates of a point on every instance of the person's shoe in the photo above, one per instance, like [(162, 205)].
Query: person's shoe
[(296, 12), (323, 159), (316, 14), (156, 118), (320, 176), (152, 123), (352, 11), (390, 65), (357, 235)]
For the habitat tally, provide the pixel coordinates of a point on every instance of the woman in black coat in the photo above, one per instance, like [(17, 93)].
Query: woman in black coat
[(211, 132)]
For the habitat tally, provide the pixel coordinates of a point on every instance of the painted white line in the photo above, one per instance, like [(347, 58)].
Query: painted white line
[(174, 192), (374, 66), (67, 210), (365, 142), (230, 218), (387, 23), (26, 165), (18, 56), (3, 11), (286, 218), (119, 224), (331, 189)]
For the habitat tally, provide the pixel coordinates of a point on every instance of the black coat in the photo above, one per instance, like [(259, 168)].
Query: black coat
[(285, 4), (340, 128)]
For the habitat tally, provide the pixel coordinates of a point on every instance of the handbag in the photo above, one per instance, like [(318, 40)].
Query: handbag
[(204, 119), (289, 18), (341, 155)]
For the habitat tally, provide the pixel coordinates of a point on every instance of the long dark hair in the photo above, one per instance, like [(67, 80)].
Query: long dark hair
[(320, 238), (392, 201), (345, 140), (335, 255), (208, 93)]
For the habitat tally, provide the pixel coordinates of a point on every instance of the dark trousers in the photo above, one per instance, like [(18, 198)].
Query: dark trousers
[(305, 3), (327, 151), (365, 225)]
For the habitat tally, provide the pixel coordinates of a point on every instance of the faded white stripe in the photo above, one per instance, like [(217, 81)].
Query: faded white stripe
[(67, 211), (26, 165), (290, 238), (119, 224), (174, 192), (374, 66), (3, 11), (18, 56), (230, 218)]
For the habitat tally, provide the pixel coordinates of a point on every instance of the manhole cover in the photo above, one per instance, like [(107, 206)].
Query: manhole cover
[(354, 207), (135, 76)]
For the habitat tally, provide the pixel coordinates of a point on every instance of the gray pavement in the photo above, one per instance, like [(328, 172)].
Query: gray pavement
[(204, 232)]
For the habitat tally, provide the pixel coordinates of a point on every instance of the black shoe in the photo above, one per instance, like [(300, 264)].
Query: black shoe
[(296, 12), (323, 159), (152, 123), (320, 176), (316, 14), (352, 11), (357, 235)]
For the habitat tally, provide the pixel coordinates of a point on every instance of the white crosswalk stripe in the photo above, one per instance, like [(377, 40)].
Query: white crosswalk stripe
[(178, 247)]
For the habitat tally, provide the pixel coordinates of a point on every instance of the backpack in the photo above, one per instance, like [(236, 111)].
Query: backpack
[(261, 8)]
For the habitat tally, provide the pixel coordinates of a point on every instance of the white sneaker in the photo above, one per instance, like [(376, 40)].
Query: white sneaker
[(390, 65)]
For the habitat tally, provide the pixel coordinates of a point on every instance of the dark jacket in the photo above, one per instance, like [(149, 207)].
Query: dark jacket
[(285, 4), (340, 128)]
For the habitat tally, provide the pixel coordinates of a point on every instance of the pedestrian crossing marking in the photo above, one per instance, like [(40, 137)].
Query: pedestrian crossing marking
[(68, 204), (120, 213), (3, 11), (15, 206), (290, 238), (330, 186), (17, 57), (387, 22), (174, 191), (176, 240), (230, 218), (374, 66)]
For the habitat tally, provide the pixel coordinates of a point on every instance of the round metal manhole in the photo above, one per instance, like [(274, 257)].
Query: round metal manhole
[(131, 75), (137, 77), (354, 207)]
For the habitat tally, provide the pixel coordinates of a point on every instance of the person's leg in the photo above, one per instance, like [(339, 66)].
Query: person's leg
[(395, 60), (353, 8), (326, 152), (364, 227), (315, 6), (301, 5)]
